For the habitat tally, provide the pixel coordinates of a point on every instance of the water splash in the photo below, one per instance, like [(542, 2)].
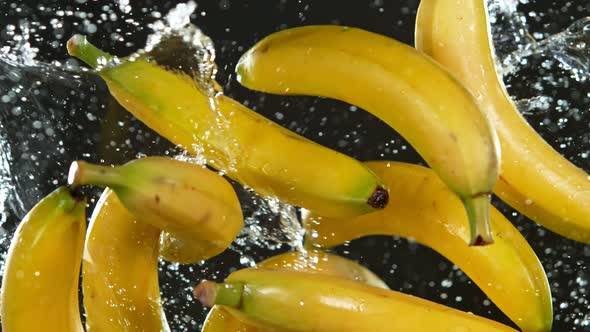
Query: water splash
[(273, 224), (510, 31), (547, 76), (570, 48), (20, 50), (9, 197), (46, 117), (184, 44), (125, 6), (180, 45), (547, 79), (24, 103)]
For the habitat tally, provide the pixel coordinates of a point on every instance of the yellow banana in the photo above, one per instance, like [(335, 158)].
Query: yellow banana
[(197, 208), (313, 261), (253, 150), (535, 179), (40, 282), (220, 319), (320, 303), (423, 208), (395, 83), (120, 271), (317, 261)]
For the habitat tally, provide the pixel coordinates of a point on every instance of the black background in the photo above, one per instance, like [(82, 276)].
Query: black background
[(90, 125)]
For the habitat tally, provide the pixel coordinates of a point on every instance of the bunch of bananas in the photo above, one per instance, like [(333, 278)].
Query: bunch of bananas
[(158, 207)]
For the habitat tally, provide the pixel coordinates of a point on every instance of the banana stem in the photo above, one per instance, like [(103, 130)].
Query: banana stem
[(478, 212), (83, 173), (210, 293), (79, 47)]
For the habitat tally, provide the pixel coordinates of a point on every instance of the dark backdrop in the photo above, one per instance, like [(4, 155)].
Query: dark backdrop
[(65, 117)]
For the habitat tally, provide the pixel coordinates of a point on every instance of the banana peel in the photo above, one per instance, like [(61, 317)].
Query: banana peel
[(424, 209)]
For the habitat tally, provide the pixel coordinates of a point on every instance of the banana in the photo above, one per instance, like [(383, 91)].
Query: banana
[(197, 208), (256, 152), (535, 179), (318, 261), (423, 208), (312, 261), (120, 271), (314, 302), (395, 83), (40, 281)]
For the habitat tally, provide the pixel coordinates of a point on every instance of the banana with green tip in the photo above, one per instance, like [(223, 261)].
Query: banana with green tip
[(197, 208), (251, 149), (314, 302), (534, 179), (40, 281), (424, 209), (395, 83), (120, 271), (312, 261)]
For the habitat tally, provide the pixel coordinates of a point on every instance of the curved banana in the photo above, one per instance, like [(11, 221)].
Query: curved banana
[(248, 147), (535, 179), (197, 208), (395, 83), (318, 261), (40, 281), (424, 209), (120, 271), (320, 303), (312, 261)]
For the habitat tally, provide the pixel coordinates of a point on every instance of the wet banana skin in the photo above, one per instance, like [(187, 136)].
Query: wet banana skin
[(120, 271), (535, 179), (445, 125), (197, 209), (424, 209), (40, 282), (248, 147), (311, 261), (321, 303)]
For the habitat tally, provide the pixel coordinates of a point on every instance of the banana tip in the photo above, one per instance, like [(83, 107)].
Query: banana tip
[(379, 198), (76, 194), (205, 292), (241, 71), (478, 213), (74, 43), (74, 174), (479, 241)]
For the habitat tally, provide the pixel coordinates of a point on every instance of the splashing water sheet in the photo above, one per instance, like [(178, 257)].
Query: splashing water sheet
[(53, 111)]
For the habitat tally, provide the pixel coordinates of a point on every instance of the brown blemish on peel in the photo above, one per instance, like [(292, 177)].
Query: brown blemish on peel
[(263, 48)]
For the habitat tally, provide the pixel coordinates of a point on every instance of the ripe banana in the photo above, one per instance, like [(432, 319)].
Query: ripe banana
[(318, 261), (120, 271), (535, 179), (423, 208), (40, 281), (250, 148), (314, 302), (197, 208), (312, 261), (395, 83)]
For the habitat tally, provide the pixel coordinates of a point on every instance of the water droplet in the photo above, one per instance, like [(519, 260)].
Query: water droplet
[(446, 283)]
